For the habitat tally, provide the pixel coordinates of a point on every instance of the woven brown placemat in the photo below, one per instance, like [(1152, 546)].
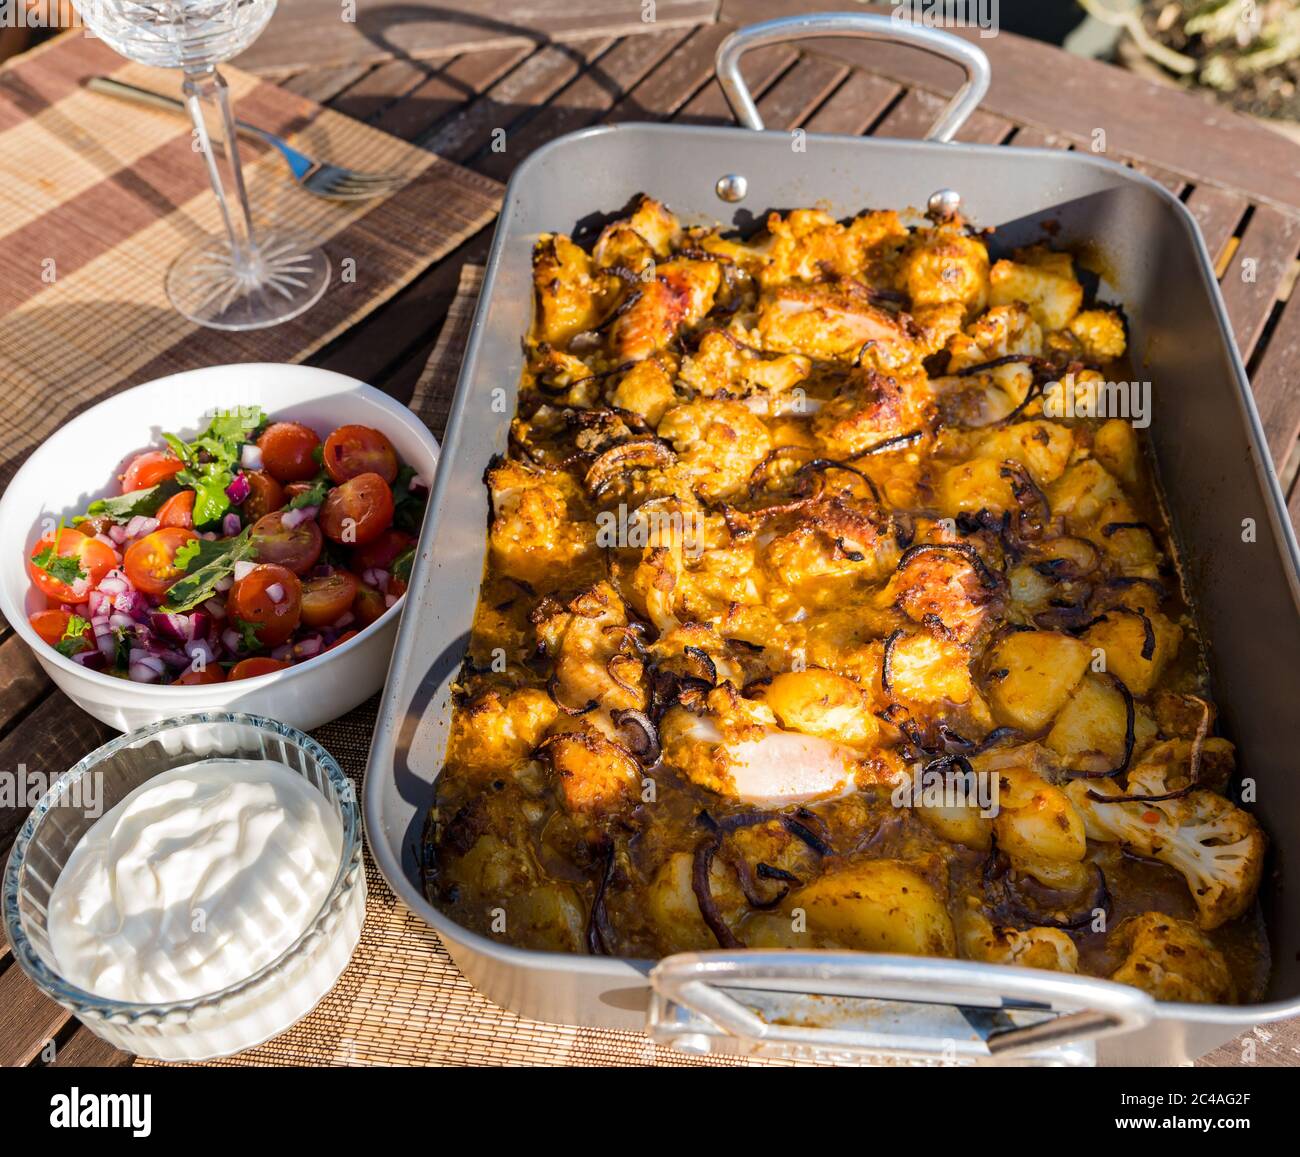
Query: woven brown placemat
[(402, 1001), (98, 196)]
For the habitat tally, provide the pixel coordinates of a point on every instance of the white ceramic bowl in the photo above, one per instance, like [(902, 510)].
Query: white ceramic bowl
[(79, 462)]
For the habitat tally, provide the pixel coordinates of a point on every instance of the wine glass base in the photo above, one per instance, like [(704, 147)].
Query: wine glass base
[(286, 277)]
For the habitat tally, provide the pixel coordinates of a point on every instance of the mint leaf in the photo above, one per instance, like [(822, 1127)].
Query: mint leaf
[(64, 569), (74, 637), (186, 554), (200, 584), (124, 507)]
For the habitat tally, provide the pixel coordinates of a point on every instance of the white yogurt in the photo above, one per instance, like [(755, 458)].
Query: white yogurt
[(196, 880)]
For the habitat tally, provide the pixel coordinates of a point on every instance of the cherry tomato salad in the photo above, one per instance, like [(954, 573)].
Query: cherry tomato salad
[(254, 547)]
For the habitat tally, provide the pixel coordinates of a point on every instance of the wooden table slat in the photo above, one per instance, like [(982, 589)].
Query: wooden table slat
[(761, 68), (534, 82), (1217, 212), (583, 101), (1257, 271), (1030, 137), (29, 1020), (855, 106), (382, 86), (447, 90), (85, 1050), (1274, 383), (798, 94), (22, 681), (912, 116), (322, 85)]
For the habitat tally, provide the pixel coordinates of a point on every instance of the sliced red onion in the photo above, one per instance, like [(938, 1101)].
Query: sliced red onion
[(242, 569), (117, 534), (250, 457), (230, 524), (275, 592), (239, 489)]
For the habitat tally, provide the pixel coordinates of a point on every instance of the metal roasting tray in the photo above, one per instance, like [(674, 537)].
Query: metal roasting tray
[(1214, 466)]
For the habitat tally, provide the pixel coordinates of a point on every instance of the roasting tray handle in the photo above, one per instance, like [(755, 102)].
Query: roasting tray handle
[(844, 1005), (826, 24)]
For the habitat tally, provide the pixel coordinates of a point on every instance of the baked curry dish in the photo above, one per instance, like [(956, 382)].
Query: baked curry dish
[(822, 610)]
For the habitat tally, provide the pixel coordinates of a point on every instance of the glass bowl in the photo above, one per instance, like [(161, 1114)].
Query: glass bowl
[(240, 1015)]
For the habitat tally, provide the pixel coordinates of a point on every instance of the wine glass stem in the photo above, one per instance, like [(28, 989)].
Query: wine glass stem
[(206, 92)]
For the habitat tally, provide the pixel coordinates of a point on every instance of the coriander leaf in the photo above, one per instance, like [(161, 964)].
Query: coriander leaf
[(186, 554), (235, 425), (402, 565), (199, 585), (248, 635), (74, 637), (63, 568), (408, 507), (313, 497), (182, 451), (124, 507), (210, 498)]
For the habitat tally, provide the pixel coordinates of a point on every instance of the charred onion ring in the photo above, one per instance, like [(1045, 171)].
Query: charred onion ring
[(988, 580)]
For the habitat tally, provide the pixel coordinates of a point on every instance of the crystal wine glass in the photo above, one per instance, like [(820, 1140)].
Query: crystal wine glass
[(249, 278)]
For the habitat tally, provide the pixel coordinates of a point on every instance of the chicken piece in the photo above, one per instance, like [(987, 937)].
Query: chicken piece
[(809, 245), (651, 232), (540, 528), (1041, 280), (830, 321), (1032, 674), (1217, 847), (869, 906), (596, 777), (946, 264), (1172, 960), (498, 728), (680, 293), (943, 590), (737, 749), (570, 298), (1047, 948), (718, 443), (870, 408)]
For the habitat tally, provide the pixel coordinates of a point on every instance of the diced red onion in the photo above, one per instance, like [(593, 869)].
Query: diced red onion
[(215, 608), (144, 671), (239, 489), (224, 584), (200, 624), (375, 577), (108, 542), (117, 533), (322, 570), (113, 584), (419, 482), (250, 457), (200, 647), (97, 604), (171, 626), (291, 518), (131, 603), (275, 592), (284, 652), (311, 645), (119, 621), (106, 643), (390, 600), (345, 620), (242, 569), (230, 524), (95, 660), (140, 526), (232, 640)]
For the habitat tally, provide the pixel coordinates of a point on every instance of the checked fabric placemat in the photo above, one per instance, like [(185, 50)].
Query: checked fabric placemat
[(97, 196), (402, 1001)]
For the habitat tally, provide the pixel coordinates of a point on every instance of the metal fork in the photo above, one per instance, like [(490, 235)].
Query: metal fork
[(324, 180)]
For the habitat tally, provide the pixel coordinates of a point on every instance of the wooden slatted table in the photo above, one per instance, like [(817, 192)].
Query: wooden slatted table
[(1240, 180)]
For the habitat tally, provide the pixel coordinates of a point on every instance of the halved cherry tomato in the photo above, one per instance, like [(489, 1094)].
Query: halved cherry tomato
[(265, 494), (296, 488), (50, 625), (343, 638), (353, 450), (150, 468), (358, 511), (93, 561), (368, 605), (149, 563), (252, 668), (325, 599), (381, 552), (178, 510), (287, 451), (251, 601), (297, 548), (397, 586), (212, 673)]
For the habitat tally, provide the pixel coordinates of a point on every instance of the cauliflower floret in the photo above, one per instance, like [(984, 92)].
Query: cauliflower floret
[(646, 390), (500, 727), (1048, 948), (651, 231), (720, 365), (1043, 281), (570, 300), (1002, 331), (718, 442), (540, 530), (1100, 332), (1172, 960), (1218, 848), (946, 264)]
